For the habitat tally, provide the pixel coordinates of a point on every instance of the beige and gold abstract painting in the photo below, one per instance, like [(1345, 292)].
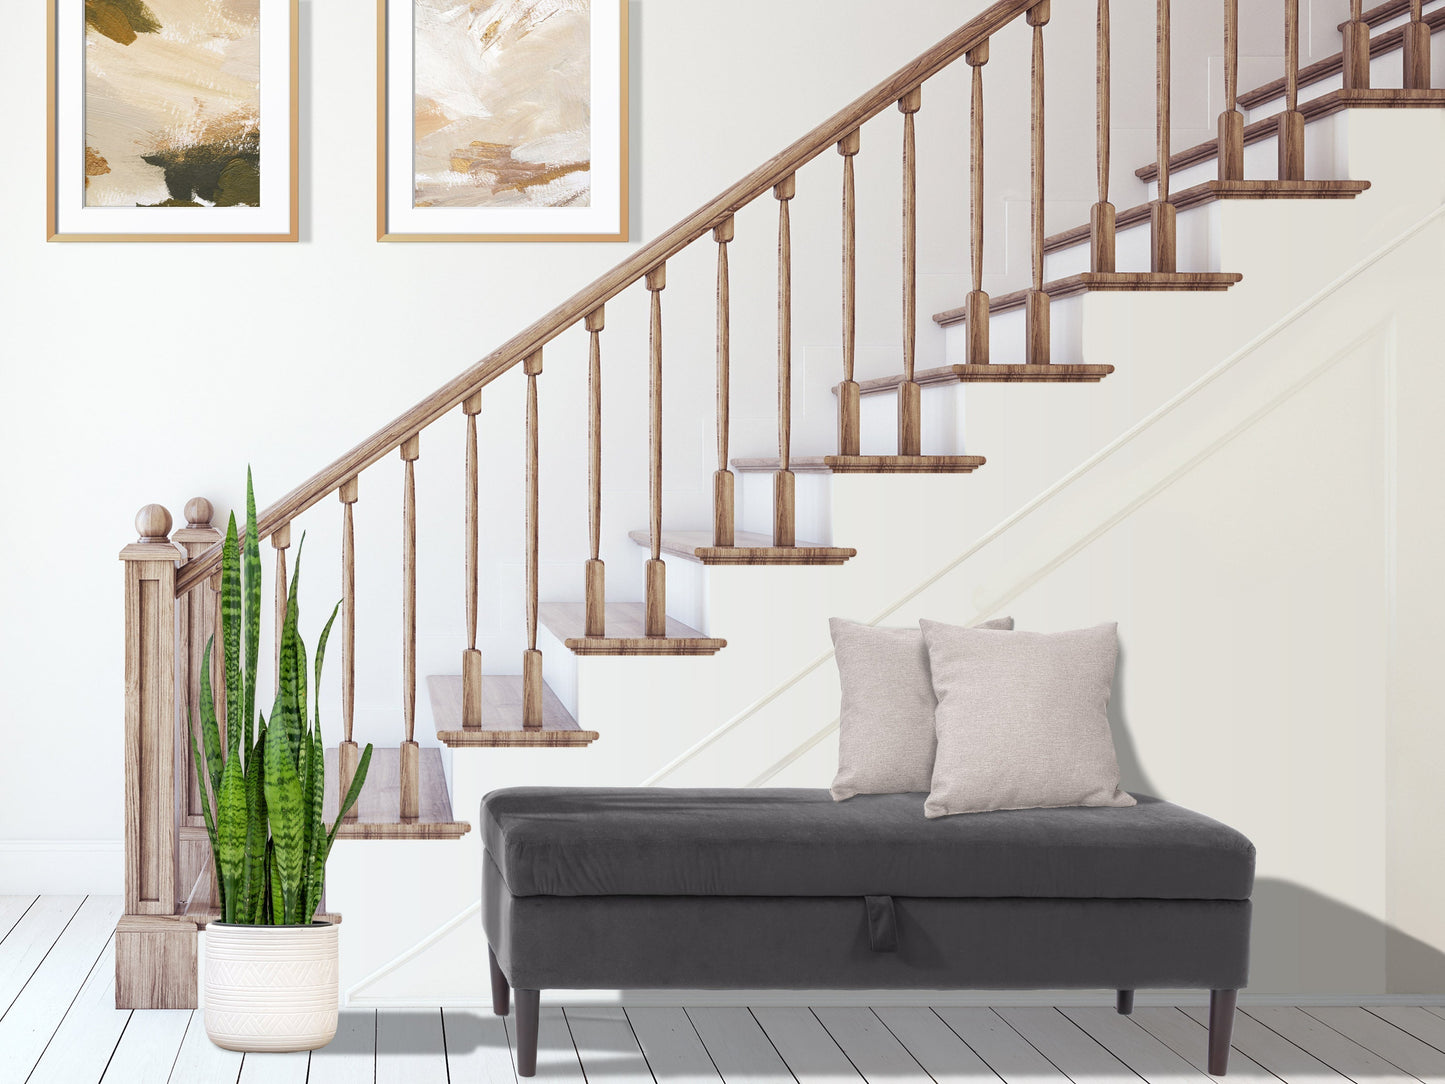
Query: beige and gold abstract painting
[(173, 103), (502, 101)]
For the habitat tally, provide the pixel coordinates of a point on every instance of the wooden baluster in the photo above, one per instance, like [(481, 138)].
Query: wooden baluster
[(1231, 121), (1417, 49), (849, 394), (348, 754), (656, 609), (596, 575), (156, 961), (910, 393), (1036, 308), (532, 658), (1356, 52), (1162, 249), (471, 657), (1291, 121), (198, 615), (1102, 217), (410, 750), (784, 518), (280, 542), (976, 320), (722, 479)]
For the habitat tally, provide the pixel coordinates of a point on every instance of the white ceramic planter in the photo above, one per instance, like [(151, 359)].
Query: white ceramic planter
[(271, 988)]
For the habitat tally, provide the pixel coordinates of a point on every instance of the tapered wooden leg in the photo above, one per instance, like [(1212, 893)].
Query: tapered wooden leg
[(1417, 56), (501, 990), (1231, 145), (722, 508), (1102, 219), (410, 780), (1292, 145), (1124, 1002), (1037, 335), (471, 689), (849, 425), (529, 1003), (1221, 1029)]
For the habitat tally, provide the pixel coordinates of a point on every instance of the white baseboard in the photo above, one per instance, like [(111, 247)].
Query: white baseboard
[(62, 867), (640, 998)]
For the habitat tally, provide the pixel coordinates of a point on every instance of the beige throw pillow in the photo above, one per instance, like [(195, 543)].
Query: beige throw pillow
[(1023, 719), (885, 725)]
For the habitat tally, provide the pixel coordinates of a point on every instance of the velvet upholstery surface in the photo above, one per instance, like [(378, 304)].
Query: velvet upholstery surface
[(660, 842), (758, 942)]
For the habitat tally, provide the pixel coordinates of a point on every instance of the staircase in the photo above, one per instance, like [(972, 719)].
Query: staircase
[(726, 655)]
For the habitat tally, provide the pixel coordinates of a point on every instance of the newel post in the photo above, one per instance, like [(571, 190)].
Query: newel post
[(155, 956)]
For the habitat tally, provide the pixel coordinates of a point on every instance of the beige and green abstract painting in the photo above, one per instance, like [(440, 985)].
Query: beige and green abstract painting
[(172, 103), (503, 103)]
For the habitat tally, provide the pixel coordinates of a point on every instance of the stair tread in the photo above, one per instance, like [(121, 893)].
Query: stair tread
[(379, 807), (989, 374), (866, 464), (1101, 281), (749, 548), (1384, 42), (625, 625), (1313, 108), (501, 716), (1209, 192)]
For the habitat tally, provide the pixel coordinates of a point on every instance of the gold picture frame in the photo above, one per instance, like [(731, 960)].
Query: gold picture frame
[(396, 219), (67, 220)]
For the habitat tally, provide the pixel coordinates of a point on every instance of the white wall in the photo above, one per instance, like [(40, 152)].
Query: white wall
[(136, 373)]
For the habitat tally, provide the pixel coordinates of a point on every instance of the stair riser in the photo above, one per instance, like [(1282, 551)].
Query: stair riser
[(1007, 330), (1323, 160)]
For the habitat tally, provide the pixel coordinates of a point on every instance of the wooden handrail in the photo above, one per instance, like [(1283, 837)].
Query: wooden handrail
[(602, 289)]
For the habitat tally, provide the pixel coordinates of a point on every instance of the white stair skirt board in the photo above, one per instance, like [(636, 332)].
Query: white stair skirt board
[(1335, 294)]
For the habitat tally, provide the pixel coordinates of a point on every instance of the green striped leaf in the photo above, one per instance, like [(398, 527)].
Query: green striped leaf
[(251, 569), (231, 821), (275, 906), (256, 837), (210, 734), (316, 834), (231, 637), (285, 811), (205, 793)]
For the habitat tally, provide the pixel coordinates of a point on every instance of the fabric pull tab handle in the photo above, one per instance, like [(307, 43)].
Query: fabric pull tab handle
[(882, 923)]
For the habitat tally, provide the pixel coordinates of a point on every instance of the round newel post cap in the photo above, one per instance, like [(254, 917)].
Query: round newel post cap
[(154, 523), (199, 512)]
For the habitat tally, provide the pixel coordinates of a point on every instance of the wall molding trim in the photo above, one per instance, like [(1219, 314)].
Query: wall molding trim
[(68, 867)]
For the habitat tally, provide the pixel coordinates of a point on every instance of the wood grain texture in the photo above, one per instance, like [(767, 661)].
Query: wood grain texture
[(197, 613), (910, 415), (379, 807), (724, 524), (656, 283), (1102, 248), (471, 688), (784, 192), (1162, 97), (1209, 191), (436, 405), (1038, 347), (977, 374), (408, 598), (595, 324), (848, 148), (530, 515), (1324, 105), (151, 809), (871, 464), (908, 106), (1291, 156), (471, 543), (850, 418), (155, 964), (1416, 36), (1116, 280), (348, 759), (594, 587), (1355, 55), (1036, 145), (501, 716), (627, 632), (785, 506), (1385, 41), (532, 690), (409, 772), (280, 542), (655, 606), (348, 607), (978, 302), (1231, 120), (750, 549), (1163, 238)]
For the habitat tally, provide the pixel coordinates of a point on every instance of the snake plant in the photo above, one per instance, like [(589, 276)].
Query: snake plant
[(263, 809)]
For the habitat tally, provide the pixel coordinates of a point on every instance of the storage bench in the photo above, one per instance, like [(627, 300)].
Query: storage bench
[(787, 889)]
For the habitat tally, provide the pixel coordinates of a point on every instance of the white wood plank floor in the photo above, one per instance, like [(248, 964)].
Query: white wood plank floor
[(59, 1025)]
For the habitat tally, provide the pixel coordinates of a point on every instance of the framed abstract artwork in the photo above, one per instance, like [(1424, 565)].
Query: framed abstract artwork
[(502, 120), (172, 120)]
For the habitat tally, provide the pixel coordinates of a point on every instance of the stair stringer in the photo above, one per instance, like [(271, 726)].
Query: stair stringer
[(777, 617)]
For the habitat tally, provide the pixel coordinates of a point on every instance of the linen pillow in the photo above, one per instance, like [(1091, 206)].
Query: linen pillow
[(1023, 719), (885, 724)]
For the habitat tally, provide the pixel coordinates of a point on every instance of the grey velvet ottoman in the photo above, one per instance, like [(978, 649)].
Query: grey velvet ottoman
[(787, 889)]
